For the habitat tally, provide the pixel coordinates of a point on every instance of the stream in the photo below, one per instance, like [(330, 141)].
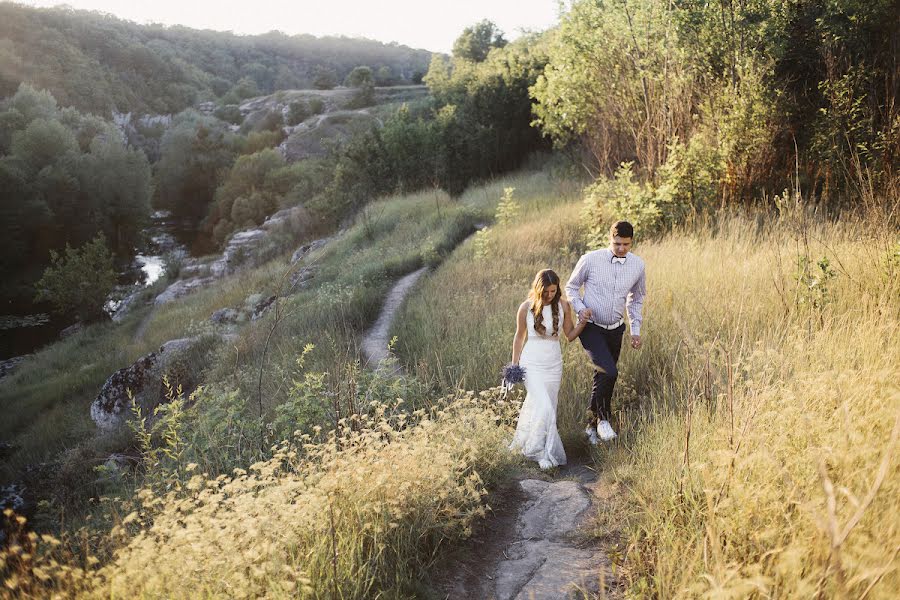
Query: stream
[(27, 327)]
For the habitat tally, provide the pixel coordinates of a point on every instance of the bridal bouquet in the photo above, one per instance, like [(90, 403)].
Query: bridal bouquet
[(512, 374)]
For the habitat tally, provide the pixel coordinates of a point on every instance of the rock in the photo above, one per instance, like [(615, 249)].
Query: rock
[(71, 330), (12, 496), (181, 288), (9, 365), (126, 305), (260, 308), (305, 249), (225, 316), (143, 379), (545, 564), (554, 510), (207, 108), (301, 278)]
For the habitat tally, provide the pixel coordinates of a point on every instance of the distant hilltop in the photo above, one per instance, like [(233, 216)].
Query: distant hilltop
[(101, 64)]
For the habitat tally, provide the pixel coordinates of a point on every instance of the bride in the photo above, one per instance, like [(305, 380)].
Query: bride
[(536, 349)]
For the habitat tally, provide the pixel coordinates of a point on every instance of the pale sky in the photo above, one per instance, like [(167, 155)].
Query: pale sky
[(432, 25)]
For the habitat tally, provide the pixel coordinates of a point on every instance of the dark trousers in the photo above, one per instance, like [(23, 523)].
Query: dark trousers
[(603, 346)]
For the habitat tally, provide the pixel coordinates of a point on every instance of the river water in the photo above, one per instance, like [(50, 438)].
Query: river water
[(24, 329)]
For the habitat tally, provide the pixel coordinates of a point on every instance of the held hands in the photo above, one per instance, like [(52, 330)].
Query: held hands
[(585, 315)]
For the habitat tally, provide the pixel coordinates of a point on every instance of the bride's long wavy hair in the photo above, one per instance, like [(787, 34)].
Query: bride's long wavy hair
[(543, 280)]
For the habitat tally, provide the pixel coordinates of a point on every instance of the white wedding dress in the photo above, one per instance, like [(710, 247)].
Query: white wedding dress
[(536, 434)]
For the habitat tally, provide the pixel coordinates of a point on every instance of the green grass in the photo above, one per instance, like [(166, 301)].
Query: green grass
[(47, 400)]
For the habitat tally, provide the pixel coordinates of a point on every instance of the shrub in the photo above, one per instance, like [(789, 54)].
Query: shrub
[(78, 282), (298, 111), (230, 113), (648, 208)]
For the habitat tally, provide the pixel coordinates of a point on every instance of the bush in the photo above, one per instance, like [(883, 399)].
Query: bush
[(316, 106), (298, 111), (78, 282), (648, 208), (230, 113)]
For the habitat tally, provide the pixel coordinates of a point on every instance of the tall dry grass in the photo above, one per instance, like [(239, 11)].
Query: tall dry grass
[(359, 514), (765, 460), (757, 425)]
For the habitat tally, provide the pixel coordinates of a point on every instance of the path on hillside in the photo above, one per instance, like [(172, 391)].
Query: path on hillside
[(539, 543), (375, 341)]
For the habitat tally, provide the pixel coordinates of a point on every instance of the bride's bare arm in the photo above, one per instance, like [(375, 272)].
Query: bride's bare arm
[(521, 333), (571, 330)]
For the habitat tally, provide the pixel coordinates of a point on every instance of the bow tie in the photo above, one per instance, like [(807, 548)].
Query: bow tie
[(618, 259)]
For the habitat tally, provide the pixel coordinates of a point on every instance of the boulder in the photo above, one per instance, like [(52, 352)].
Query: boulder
[(143, 380), (9, 365), (260, 308), (305, 249), (71, 330), (181, 288), (301, 278), (225, 316)]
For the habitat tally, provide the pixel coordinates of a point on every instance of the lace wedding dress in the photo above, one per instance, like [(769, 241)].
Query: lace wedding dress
[(536, 434)]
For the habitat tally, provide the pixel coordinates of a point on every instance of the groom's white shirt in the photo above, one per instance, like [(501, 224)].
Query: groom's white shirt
[(609, 287)]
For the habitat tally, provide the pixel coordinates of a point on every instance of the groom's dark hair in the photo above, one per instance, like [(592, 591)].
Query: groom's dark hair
[(622, 229)]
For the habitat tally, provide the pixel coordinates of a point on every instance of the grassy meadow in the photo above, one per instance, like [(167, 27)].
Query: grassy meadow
[(758, 425)]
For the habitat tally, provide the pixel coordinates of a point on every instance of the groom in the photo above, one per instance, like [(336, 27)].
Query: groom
[(613, 280)]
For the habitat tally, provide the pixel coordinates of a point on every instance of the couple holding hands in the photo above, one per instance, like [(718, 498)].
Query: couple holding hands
[(613, 280)]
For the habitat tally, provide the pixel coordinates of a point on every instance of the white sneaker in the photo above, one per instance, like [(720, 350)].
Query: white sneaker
[(545, 464), (605, 431), (591, 432)]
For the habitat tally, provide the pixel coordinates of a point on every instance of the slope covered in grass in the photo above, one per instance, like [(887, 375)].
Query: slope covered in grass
[(758, 424)]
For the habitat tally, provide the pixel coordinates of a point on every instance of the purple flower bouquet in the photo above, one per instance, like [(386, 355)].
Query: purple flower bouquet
[(513, 374)]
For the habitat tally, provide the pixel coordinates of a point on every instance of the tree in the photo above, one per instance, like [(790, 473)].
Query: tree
[(78, 282), (359, 77), (195, 150), (324, 78), (476, 41)]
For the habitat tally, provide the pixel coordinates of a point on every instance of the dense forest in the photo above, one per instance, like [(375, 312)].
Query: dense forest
[(98, 63)]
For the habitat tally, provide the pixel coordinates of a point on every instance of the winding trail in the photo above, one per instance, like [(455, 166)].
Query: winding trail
[(375, 341), (539, 543)]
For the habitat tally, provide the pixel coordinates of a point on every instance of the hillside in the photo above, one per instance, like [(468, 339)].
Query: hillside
[(753, 380), (98, 63)]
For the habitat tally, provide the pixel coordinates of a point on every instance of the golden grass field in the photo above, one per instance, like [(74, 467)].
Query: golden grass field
[(758, 428)]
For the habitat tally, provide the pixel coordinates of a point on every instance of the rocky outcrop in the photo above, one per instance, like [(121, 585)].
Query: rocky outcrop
[(255, 306), (182, 288), (143, 380), (9, 365), (304, 250), (245, 249)]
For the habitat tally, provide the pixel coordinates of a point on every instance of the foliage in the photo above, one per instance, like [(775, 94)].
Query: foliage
[(249, 193), (98, 63), (483, 110), (475, 42), (78, 281), (298, 111), (324, 78), (781, 91), (360, 509), (230, 113), (621, 197), (195, 150), (64, 178), (360, 76)]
